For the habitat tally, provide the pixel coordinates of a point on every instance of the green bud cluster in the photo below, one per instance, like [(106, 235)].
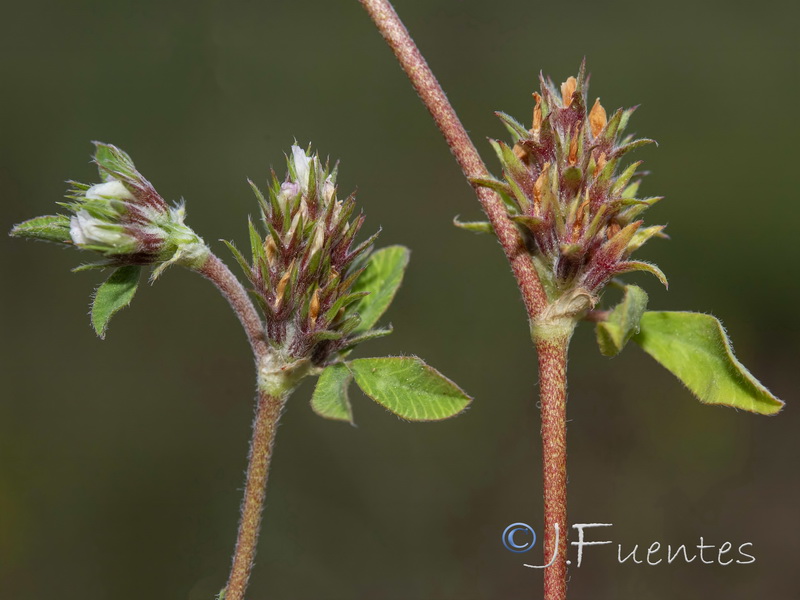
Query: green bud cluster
[(578, 215), (123, 218), (304, 271)]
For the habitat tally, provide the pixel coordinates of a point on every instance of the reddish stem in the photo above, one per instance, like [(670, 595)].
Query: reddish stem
[(552, 349), (265, 425), (434, 98), (552, 354), (220, 275)]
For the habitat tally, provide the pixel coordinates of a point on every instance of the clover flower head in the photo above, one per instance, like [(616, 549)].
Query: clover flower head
[(578, 214)]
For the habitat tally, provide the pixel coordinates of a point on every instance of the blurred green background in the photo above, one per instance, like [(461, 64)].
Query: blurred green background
[(121, 462)]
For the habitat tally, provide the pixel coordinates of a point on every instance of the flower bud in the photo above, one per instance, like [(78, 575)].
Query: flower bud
[(110, 190), (123, 218), (91, 233)]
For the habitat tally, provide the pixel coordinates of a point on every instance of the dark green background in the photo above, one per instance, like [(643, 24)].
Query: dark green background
[(121, 461)]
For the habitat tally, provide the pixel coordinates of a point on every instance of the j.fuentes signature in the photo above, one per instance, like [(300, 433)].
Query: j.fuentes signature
[(520, 537)]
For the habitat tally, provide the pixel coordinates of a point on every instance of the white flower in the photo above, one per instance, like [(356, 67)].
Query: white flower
[(302, 166), (87, 230), (302, 169), (110, 189)]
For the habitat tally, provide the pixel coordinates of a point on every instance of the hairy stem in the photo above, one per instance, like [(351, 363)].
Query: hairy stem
[(265, 425), (434, 98), (551, 350), (552, 354), (220, 275)]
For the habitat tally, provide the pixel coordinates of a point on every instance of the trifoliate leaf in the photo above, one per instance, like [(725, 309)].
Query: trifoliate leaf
[(330, 396), (112, 295), (409, 388), (622, 322), (696, 349), (382, 276), (49, 228)]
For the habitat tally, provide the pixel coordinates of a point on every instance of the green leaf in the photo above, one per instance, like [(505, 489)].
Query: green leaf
[(622, 322), (382, 276), (409, 388), (474, 226), (330, 396), (49, 228), (112, 295), (696, 349)]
